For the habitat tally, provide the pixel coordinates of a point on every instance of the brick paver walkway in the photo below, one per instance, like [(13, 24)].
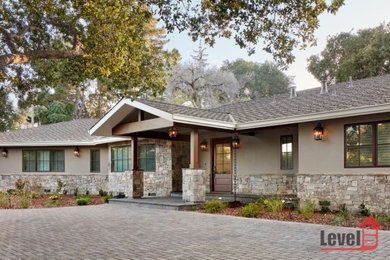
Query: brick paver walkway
[(122, 232)]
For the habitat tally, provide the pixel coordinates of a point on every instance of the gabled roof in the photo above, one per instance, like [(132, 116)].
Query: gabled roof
[(361, 97), (71, 133)]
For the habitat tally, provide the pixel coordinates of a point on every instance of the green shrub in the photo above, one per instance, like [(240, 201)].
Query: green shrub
[(215, 206), (363, 210), (25, 200), (83, 201), (343, 211), (60, 185), (273, 205), (106, 198), (35, 195), (5, 200), (380, 219), (52, 201), (308, 210), (87, 192), (324, 206), (260, 200), (339, 220), (251, 210), (103, 193), (76, 192)]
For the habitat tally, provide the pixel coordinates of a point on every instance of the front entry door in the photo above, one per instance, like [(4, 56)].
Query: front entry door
[(222, 166)]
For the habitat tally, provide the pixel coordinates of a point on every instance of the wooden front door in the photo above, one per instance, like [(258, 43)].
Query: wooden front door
[(222, 166)]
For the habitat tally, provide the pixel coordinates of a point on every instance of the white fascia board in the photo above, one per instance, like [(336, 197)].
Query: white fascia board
[(367, 110), (203, 122), (134, 104), (67, 143)]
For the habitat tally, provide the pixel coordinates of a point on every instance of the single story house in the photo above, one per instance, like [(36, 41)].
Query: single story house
[(321, 144)]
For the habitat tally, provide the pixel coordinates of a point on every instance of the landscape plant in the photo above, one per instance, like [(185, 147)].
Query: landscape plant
[(273, 205), (5, 200), (215, 206), (363, 210), (251, 210), (308, 210)]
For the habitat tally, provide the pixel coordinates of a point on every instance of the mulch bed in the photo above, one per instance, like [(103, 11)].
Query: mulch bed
[(65, 201), (294, 216)]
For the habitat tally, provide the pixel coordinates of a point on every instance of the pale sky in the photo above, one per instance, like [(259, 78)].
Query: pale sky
[(354, 15)]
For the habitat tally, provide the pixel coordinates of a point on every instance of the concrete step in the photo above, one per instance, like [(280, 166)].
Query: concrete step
[(167, 203)]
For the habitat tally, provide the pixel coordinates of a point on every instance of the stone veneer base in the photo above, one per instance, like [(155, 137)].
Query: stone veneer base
[(194, 185)]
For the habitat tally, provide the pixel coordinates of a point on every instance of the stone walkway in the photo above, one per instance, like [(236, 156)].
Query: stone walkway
[(122, 232)]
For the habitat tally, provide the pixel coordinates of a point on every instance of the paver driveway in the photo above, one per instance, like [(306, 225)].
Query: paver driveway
[(123, 232)]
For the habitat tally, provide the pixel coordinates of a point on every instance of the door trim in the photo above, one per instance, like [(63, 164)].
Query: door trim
[(213, 142)]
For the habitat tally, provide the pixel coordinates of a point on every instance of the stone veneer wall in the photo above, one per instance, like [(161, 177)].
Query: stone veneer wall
[(91, 182), (374, 190), (194, 185), (157, 183), (267, 184), (180, 160)]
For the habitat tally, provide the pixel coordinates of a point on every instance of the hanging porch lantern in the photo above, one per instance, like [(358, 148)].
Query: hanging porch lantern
[(172, 132), (203, 145), (318, 132), (235, 141)]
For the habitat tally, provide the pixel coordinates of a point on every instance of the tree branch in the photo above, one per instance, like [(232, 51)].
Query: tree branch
[(8, 40)]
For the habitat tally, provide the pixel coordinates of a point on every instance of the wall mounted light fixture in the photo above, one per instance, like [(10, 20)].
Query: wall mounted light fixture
[(4, 152), (76, 151), (203, 145), (172, 132), (318, 132), (236, 141)]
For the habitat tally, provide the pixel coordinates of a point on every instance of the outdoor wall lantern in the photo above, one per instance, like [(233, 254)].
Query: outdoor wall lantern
[(203, 145), (318, 132), (4, 153), (172, 132), (76, 151), (235, 141)]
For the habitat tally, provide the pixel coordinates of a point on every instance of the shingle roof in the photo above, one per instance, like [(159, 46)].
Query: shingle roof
[(365, 92), (75, 131), (188, 111)]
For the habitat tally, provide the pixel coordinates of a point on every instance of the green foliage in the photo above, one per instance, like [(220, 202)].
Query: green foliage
[(215, 206), (5, 200), (363, 210), (257, 79), (8, 115), (103, 193), (35, 195), (273, 205), (60, 186), (251, 210), (83, 200), (55, 112), (106, 198), (76, 192), (308, 210), (381, 219), (25, 200), (343, 211), (325, 206), (360, 55)]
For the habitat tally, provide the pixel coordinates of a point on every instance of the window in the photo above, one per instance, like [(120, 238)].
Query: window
[(286, 152), (223, 158), (43, 161), (95, 160), (121, 159), (367, 145), (147, 157)]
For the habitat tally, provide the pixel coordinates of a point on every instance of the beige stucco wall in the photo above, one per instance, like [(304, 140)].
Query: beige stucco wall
[(258, 154), (327, 156), (14, 162)]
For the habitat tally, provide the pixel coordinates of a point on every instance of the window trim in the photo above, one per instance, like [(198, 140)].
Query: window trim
[(36, 159), (292, 152), (374, 144), (146, 158), (111, 157), (90, 161)]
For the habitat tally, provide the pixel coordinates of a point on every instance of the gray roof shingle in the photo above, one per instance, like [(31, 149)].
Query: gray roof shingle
[(72, 131)]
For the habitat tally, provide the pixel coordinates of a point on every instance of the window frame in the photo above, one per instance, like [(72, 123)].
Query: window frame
[(91, 162), (374, 125), (146, 158), (36, 159), (281, 152), (130, 158)]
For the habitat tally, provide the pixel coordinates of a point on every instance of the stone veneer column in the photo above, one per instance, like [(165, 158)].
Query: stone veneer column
[(138, 183), (194, 185)]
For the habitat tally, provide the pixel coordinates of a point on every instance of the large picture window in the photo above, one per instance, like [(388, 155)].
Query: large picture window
[(43, 161), (367, 145), (120, 159), (147, 157), (286, 155)]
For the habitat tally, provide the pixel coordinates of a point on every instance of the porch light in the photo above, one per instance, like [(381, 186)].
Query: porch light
[(4, 153), (318, 132), (203, 145), (172, 132), (235, 141), (76, 151)]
